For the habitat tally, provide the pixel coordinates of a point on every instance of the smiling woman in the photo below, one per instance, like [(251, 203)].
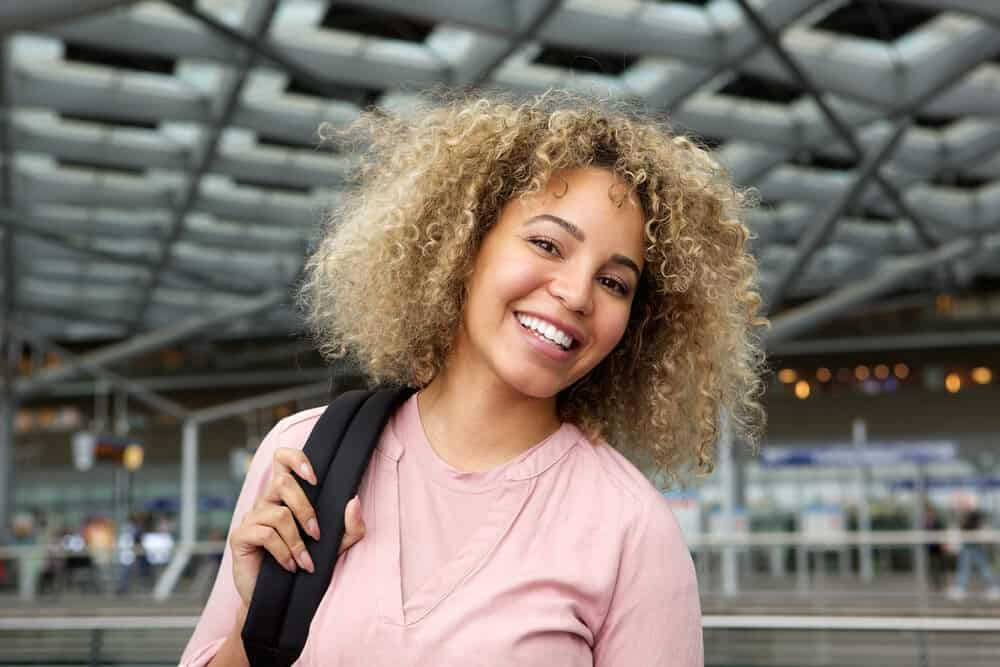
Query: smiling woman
[(389, 282), (551, 275)]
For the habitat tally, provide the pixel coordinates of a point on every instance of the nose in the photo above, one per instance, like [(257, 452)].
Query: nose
[(575, 290)]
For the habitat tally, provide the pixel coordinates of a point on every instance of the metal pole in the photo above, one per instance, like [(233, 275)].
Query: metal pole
[(189, 482), (189, 511), (727, 478), (920, 550), (859, 433)]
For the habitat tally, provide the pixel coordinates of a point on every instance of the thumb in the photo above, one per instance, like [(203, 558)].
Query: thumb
[(354, 526)]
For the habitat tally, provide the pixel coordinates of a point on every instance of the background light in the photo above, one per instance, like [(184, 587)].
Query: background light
[(982, 375), (861, 373), (787, 375), (902, 371), (802, 389), (953, 383), (823, 374), (132, 457)]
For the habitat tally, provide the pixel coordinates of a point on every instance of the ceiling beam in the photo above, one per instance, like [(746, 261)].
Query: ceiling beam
[(870, 168), (519, 39), (260, 47), (17, 16), (890, 275), (132, 347), (773, 41), (70, 242), (73, 315), (886, 343), (228, 100), (87, 364), (818, 233)]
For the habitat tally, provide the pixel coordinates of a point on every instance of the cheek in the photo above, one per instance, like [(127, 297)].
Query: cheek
[(612, 327), (513, 280)]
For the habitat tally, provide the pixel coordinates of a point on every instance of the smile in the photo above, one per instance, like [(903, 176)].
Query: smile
[(546, 331)]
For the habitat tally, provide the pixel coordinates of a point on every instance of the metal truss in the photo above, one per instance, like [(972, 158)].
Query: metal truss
[(173, 143)]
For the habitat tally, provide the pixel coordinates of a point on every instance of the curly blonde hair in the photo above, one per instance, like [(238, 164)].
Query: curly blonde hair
[(387, 280)]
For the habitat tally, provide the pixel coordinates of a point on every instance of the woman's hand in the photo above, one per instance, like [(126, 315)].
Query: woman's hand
[(271, 524)]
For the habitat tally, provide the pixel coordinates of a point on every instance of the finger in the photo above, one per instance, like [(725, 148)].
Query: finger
[(284, 490), (289, 459), (354, 526), (279, 518), (260, 536)]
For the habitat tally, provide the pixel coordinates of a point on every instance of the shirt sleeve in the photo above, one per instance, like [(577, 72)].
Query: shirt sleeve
[(219, 616), (655, 615)]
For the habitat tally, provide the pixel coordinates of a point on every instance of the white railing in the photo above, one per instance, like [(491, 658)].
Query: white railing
[(709, 622)]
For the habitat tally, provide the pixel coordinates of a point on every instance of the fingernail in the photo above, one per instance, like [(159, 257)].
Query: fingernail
[(313, 528), (290, 565), (307, 473), (305, 560)]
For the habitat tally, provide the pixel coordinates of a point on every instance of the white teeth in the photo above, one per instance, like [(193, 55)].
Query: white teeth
[(547, 330)]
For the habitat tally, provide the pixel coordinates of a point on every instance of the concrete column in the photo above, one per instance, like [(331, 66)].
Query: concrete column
[(859, 433)]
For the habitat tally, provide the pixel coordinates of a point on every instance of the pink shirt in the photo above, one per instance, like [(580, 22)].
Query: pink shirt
[(565, 555)]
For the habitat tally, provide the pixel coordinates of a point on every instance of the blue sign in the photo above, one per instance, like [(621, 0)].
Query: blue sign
[(982, 483), (874, 454)]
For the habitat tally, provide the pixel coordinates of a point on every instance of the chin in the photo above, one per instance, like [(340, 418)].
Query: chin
[(529, 383)]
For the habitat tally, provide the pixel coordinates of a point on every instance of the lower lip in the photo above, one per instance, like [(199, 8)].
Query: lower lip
[(548, 349)]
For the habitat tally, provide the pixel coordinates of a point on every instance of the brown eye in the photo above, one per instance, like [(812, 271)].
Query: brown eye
[(614, 285), (545, 245)]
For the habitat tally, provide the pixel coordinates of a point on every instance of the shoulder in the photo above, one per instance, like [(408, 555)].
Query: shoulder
[(645, 516), (293, 430)]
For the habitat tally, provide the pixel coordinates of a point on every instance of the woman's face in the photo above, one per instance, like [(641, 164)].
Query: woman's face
[(553, 284)]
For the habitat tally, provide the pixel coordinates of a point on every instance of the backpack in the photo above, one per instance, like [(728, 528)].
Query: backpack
[(283, 602)]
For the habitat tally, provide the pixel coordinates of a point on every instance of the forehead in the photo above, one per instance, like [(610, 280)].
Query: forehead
[(595, 200)]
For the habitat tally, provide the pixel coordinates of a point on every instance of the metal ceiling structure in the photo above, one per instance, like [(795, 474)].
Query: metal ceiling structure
[(159, 159)]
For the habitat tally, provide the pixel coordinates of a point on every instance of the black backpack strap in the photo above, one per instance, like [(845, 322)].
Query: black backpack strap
[(283, 603)]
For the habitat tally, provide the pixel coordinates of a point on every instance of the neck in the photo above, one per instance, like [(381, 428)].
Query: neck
[(476, 422)]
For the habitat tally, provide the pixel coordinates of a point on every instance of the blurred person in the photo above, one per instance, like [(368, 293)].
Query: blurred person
[(973, 556), (132, 556), (935, 549), (551, 275), (25, 529)]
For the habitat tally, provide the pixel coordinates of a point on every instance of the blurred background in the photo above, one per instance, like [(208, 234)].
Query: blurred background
[(161, 182)]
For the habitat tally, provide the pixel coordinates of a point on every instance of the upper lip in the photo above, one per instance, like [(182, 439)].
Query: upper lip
[(568, 329)]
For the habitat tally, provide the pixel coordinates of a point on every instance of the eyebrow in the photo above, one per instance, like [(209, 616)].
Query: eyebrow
[(578, 234)]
